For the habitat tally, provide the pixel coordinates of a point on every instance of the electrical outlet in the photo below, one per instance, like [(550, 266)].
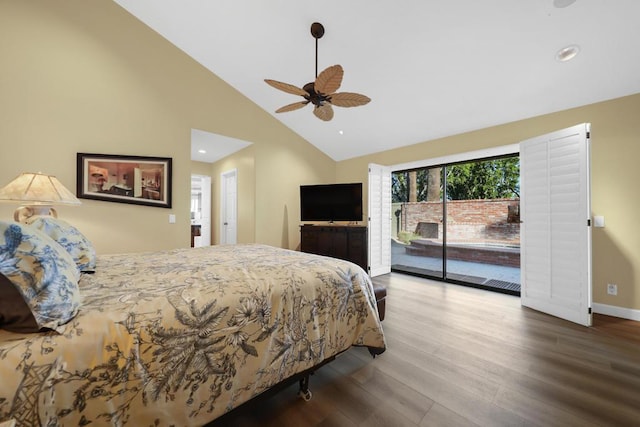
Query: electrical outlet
[(612, 289), (172, 219)]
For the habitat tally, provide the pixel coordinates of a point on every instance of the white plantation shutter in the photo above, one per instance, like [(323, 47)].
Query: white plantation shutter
[(379, 225), (555, 234)]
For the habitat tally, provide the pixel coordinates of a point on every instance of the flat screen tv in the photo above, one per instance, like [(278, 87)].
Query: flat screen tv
[(331, 202)]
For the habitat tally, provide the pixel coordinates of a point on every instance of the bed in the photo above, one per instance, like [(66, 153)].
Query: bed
[(184, 336)]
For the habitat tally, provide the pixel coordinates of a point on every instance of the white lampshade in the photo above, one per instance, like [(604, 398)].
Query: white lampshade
[(37, 189), (37, 192)]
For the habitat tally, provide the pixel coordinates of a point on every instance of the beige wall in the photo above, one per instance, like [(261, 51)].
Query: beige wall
[(278, 198), (80, 76), (615, 150), (200, 168)]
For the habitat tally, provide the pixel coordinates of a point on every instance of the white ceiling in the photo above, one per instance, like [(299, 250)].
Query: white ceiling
[(432, 68), (210, 147)]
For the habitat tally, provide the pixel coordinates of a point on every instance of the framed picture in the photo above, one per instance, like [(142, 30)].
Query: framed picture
[(124, 179)]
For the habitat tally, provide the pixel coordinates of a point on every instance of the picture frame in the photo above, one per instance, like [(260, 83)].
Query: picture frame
[(137, 180)]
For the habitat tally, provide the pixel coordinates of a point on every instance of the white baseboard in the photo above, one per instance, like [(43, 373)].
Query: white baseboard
[(612, 310)]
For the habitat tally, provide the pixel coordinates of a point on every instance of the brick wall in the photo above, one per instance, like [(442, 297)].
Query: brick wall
[(494, 220)]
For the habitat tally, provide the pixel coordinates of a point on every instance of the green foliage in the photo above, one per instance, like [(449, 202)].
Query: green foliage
[(400, 186), (407, 236), (487, 179)]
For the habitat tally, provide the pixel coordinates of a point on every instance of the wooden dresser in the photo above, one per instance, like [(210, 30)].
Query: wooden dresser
[(347, 242)]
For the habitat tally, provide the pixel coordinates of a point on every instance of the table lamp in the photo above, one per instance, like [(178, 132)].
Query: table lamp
[(37, 193)]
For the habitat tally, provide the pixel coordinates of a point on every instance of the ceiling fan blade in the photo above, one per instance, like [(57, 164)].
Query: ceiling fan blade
[(348, 99), (329, 80), (291, 107), (325, 112), (286, 87)]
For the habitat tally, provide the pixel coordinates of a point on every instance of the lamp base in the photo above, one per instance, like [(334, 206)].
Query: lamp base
[(23, 213)]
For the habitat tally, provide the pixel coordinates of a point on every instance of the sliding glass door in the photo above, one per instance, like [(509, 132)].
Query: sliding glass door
[(459, 222), (483, 223), (418, 215)]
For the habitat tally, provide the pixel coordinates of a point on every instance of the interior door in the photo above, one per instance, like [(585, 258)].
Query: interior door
[(379, 224), (556, 233), (228, 207)]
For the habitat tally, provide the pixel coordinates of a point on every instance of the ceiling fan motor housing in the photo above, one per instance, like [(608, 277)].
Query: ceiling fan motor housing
[(314, 97)]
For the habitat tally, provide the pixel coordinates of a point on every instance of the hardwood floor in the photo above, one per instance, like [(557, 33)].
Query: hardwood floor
[(461, 356)]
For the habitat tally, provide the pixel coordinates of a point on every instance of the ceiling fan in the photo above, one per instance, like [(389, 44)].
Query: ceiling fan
[(322, 92)]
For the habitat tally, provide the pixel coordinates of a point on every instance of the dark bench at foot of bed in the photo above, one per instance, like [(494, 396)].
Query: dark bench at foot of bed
[(381, 296)]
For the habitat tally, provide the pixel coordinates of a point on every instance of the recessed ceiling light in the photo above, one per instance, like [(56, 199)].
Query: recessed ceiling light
[(202, 151), (567, 53), (563, 3), (341, 132)]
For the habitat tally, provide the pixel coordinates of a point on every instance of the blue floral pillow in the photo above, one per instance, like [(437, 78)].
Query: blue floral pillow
[(42, 271), (69, 238)]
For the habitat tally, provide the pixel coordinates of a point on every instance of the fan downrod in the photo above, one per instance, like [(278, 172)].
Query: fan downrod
[(317, 31)]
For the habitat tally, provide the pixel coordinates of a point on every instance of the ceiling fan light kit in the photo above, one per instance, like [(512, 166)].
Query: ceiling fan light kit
[(322, 92)]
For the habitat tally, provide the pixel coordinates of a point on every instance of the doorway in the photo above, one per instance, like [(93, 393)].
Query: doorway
[(201, 210), (459, 222)]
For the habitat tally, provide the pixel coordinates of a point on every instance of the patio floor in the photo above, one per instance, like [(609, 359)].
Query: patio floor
[(497, 277)]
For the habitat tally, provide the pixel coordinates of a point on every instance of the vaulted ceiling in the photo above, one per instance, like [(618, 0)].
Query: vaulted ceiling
[(432, 68)]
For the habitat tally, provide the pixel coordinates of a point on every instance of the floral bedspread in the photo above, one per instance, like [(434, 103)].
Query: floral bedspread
[(181, 337)]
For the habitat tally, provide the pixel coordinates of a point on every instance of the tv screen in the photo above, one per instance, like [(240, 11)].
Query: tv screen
[(331, 202)]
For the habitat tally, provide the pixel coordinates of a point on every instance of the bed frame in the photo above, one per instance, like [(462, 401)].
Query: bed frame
[(303, 378)]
